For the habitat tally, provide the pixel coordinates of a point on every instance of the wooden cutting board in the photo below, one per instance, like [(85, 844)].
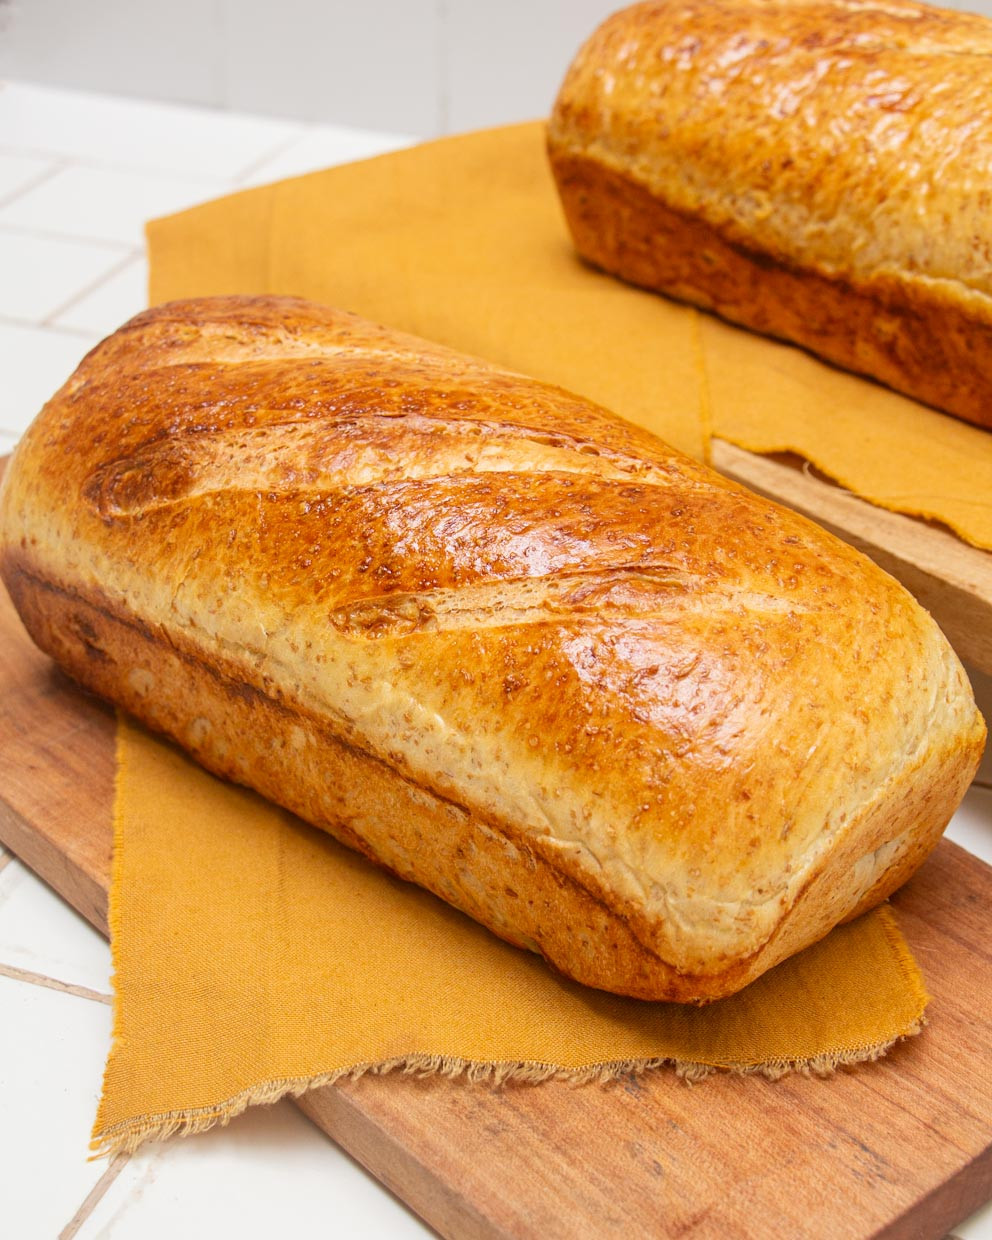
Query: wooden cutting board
[(902, 1148)]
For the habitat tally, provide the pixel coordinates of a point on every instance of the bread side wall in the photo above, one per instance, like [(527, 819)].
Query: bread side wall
[(914, 336), (483, 868), (239, 732)]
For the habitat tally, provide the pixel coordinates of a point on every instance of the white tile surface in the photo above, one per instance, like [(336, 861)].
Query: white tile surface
[(19, 171), (112, 302), (971, 826), (41, 274), (52, 1048), (41, 933), (322, 146), (6, 445), (104, 204), (978, 1227), (34, 363), (135, 134), (271, 1173)]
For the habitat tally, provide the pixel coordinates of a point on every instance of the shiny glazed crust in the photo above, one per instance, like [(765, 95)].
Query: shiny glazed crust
[(817, 170), (619, 710)]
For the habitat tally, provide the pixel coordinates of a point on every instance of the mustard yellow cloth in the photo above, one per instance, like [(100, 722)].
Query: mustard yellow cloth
[(253, 956), (462, 240)]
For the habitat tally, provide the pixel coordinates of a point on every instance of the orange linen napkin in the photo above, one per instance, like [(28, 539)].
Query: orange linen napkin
[(463, 241), (254, 956)]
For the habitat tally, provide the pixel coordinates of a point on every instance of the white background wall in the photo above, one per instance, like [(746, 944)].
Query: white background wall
[(410, 66)]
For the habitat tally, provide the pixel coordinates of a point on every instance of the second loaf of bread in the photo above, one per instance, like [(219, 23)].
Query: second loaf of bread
[(819, 170), (616, 708)]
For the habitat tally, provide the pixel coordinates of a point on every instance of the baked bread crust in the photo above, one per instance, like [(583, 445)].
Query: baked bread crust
[(614, 707), (816, 170)]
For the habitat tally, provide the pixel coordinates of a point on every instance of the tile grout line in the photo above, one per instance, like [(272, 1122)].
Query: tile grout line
[(96, 165), (29, 230), (58, 165), (251, 168), (50, 319), (444, 68), (209, 179), (53, 983), (33, 324), (48, 234), (94, 1196)]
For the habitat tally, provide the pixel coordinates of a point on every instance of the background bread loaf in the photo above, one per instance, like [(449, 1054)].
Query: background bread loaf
[(616, 708), (819, 170)]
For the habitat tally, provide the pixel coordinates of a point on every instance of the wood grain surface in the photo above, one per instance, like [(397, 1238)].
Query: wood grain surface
[(902, 1148)]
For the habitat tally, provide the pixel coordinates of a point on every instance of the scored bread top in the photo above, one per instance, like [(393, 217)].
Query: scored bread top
[(508, 595), (849, 136)]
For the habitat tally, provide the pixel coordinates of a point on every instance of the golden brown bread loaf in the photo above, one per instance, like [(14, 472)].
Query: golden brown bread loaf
[(818, 170), (613, 706)]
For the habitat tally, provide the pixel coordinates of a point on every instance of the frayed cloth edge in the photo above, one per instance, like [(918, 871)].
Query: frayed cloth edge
[(127, 1135), (908, 505)]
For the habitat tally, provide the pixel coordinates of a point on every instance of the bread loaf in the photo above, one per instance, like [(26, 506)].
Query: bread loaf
[(818, 170), (616, 708)]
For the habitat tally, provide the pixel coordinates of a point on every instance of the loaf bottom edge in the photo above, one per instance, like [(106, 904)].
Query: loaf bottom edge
[(485, 869), (912, 336), (241, 733)]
